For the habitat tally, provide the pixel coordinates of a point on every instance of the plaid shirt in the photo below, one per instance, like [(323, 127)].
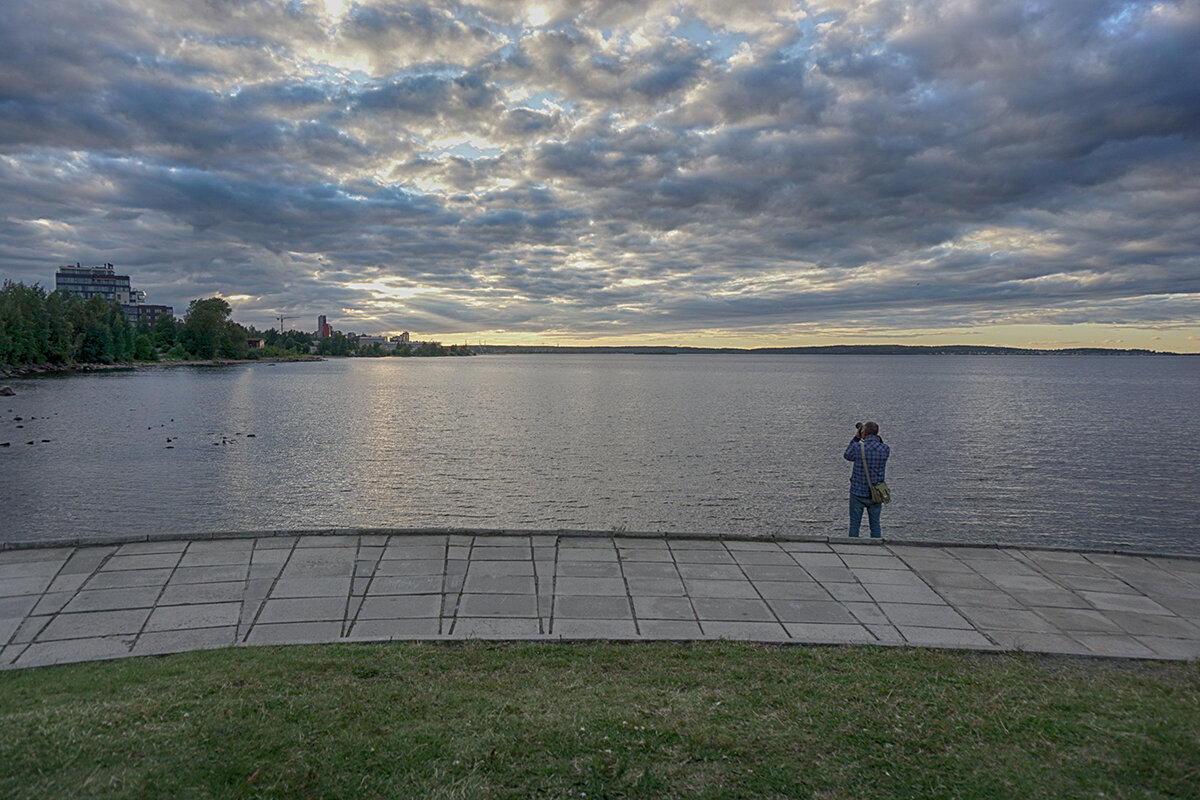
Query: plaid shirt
[(877, 456)]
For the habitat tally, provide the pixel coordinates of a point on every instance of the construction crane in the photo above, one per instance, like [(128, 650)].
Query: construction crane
[(281, 318)]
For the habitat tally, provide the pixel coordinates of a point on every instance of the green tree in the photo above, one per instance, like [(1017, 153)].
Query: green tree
[(336, 345), (93, 336), (143, 348), (166, 331), (120, 331), (430, 349), (58, 325), (208, 331), (21, 311), (298, 341)]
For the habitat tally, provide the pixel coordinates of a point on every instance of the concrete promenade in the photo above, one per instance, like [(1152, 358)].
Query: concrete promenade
[(64, 604)]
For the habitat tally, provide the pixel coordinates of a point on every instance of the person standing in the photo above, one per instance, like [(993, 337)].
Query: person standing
[(866, 442)]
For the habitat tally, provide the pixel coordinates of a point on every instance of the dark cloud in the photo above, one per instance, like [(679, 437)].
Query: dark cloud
[(614, 168)]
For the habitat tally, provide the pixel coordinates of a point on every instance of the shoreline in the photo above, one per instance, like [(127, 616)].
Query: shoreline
[(27, 370), (98, 540)]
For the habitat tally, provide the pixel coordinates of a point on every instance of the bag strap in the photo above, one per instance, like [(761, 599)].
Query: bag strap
[(863, 445)]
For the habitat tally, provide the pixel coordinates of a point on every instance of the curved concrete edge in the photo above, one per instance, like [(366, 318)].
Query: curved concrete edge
[(95, 540), (67, 604)]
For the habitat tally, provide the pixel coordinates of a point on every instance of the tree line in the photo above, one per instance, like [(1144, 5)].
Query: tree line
[(42, 327)]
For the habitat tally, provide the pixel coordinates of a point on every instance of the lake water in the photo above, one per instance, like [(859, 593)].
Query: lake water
[(1059, 451)]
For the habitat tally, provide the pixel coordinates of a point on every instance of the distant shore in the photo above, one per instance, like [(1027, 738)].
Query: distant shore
[(836, 349), (18, 371), (10, 371)]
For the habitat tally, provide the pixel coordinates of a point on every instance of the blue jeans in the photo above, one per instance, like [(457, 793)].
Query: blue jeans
[(857, 506)]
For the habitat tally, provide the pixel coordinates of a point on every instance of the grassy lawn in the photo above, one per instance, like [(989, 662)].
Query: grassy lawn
[(719, 720)]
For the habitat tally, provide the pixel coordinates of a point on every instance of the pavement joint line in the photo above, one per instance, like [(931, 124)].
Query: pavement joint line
[(758, 592), (41, 596), (245, 592), (274, 582), (554, 587), (1074, 592), (537, 593), (461, 589), (1192, 580), (51, 617), (858, 582), (687, 594), (158, 598), (944, 599), (637, 628), (347, 621), (445, 580)]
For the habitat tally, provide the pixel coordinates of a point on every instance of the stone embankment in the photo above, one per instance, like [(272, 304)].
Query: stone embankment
[(16, 371), (10, 371)]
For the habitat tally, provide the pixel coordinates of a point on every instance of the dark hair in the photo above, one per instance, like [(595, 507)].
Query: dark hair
[(870, 428)]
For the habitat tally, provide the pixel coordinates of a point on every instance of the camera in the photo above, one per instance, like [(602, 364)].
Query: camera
[(858, 426)]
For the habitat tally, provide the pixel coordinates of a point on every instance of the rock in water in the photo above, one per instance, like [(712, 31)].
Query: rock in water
[(6, 391)]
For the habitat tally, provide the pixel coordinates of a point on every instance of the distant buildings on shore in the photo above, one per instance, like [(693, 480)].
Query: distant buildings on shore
[(103, 281), (325, 330)]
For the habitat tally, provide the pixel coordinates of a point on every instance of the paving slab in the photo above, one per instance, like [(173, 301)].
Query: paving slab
[(401, 607), (650, 569), (746, 558), (180, 641), (593, 628), (479, 583), (829, 633), (490, 627), (600, 607), (899, 593), (664, 608), (818, 611), (62, 652), (609, 587), (716, 588), (184, 593), (1007, 619), (745, 631), (113, 599), (49, 603), (670, 629), (942, 637), (656, 587), (295, 633), (94, 624), (197, 615), (721, 609), (63, 604), (20, 586), (942, 617), (306, 609), (498, 605), (396, 628)]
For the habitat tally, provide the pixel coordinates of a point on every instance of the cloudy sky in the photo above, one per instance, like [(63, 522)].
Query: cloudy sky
[(737, 173)]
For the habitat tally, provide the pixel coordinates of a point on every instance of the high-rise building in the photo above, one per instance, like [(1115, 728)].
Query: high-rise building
[(103, 281), (88, 282), (324, 330)]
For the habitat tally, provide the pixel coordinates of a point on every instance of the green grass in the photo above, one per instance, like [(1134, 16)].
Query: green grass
[(719, 720)]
